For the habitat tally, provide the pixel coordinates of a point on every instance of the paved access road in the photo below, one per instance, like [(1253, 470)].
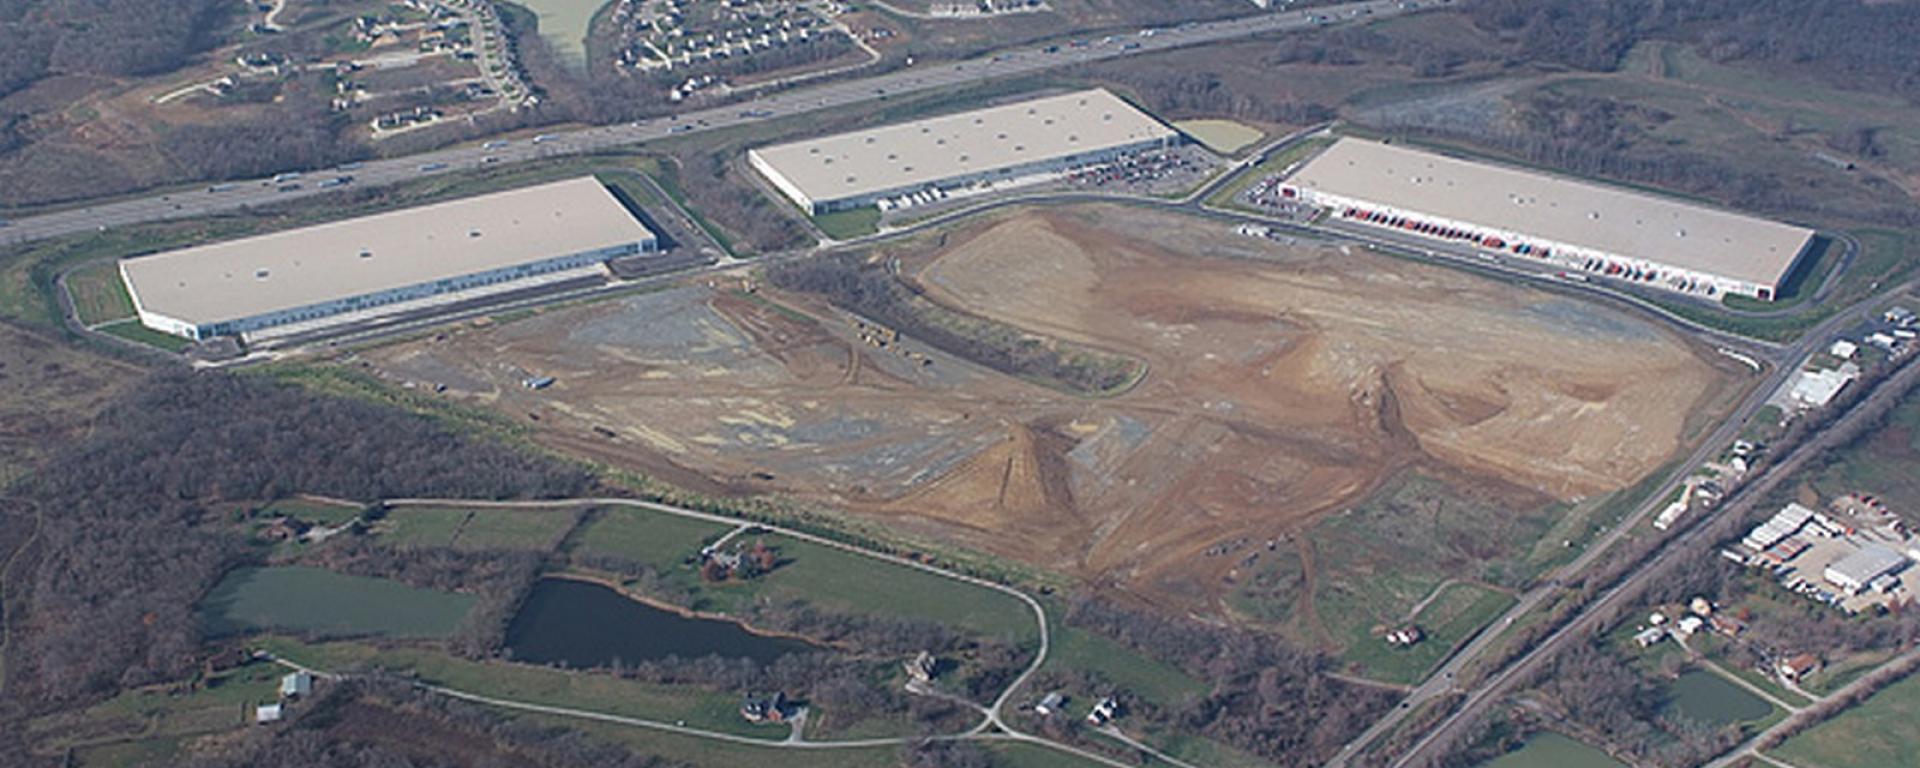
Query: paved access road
[(224, 197)]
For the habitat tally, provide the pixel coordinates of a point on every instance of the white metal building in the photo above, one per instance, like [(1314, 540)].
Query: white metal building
[(1581, 226), (1855, 571), (385, 262), (1003, 143)]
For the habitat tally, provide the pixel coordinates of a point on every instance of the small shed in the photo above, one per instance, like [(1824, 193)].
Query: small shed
[(296, 684), (266, 713), (1049, 704)]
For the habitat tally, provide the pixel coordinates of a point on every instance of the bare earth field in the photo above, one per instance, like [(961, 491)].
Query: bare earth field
[(1284, 383)]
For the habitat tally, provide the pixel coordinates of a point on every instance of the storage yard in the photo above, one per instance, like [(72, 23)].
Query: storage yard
[(1283, 384), (1617, 233), (358, 268)]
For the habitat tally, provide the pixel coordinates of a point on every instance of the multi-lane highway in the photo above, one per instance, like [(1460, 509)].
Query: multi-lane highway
[(219, 198)]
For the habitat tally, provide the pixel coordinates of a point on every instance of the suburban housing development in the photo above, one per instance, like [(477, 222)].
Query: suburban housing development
[(999, 145), (384, 263), (1678, 246)]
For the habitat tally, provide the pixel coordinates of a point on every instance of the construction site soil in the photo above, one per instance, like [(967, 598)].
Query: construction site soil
[(1284, 382)]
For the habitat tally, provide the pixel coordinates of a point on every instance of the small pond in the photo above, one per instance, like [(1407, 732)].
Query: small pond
[(582, 624), (1548, 749), (564, 23), (1709, 698)]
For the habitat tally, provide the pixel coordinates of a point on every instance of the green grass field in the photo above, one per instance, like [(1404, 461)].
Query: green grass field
[(849, 224), (842, 581), (98, 293), (154, 720), (476, 529), (1885, 463), (708, 753), (1456, 614), (660, 540), (131, 330), (304, 599), (1018, 755), (711, 710), (310, 511), (1086, 651), (1877, 733)]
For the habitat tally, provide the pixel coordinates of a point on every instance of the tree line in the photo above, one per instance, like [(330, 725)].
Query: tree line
[(106, 598), (1264, 695)]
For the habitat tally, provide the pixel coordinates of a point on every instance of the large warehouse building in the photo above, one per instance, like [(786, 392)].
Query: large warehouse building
[(997, 144), (1583, 226), (384, 263)]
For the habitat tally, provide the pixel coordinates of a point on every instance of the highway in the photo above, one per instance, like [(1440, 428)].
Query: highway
[(233, 196)]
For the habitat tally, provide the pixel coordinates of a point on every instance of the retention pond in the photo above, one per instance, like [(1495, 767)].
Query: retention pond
[(582, 624)]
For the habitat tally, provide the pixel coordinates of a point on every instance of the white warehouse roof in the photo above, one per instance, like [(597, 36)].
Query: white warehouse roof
[(1602, 218), (1867, 564), (357, 257), (868, 162)]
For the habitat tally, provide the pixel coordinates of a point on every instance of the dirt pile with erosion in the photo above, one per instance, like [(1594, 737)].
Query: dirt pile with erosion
[(1284, 382)]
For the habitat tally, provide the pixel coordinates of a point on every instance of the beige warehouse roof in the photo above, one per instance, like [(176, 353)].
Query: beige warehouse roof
[(356, 257), (922, 152), (1603, 218)]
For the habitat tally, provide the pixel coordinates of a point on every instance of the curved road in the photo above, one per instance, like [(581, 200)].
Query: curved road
[(993, 727), (224, 197)]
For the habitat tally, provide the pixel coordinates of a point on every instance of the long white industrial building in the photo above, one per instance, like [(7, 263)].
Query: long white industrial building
[(384, 263), (1013, 141), (1583, 226)]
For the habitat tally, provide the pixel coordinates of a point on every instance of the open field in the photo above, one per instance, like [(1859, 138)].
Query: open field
[(152, 720), (1883, 463), (1877, 733), (1223, 136), (302, 599), (1284, 383), (832, 579), (99, 295), (534, 529), (536, 685), (658, 540)]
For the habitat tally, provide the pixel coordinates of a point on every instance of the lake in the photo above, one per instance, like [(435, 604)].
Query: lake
[(563, 24), (582, 624), (1548, 749), (302, 599), (1709, 698)]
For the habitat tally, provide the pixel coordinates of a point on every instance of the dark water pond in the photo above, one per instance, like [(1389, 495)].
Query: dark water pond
[(581, 624)]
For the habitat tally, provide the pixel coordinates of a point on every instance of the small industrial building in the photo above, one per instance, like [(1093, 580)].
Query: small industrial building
[(997, 144), (384, 263), (1577, 225), (1854, 572)]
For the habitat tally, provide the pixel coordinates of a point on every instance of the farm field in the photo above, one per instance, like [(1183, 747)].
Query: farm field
[(480, 528), (303, 599), (1877, 733), (1285, 383)]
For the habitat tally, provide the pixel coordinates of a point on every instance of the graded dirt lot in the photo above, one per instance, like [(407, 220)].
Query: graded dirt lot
[(1284, 383)]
